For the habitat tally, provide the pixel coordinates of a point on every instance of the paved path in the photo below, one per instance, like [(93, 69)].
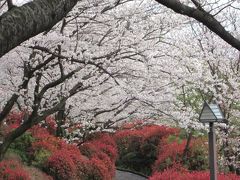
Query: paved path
[(122, 175)]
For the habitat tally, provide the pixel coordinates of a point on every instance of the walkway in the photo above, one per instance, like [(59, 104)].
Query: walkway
[(122, 175)]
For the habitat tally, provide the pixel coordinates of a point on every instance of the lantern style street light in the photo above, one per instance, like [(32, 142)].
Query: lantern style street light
[(212, 113)]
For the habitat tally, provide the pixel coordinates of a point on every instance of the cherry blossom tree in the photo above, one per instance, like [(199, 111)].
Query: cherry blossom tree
[(209, 71), (108, 61), (84, 66), (35, 17)]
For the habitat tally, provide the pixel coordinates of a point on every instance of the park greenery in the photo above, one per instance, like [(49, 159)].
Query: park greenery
[(88, 85)]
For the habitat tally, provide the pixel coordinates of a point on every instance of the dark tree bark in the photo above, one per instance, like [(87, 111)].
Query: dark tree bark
[(60, 120), (204, 17), (10, 4), (22, 23), (187, 147)]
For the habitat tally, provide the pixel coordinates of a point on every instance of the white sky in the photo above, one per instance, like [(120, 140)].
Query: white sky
[(20, 2)]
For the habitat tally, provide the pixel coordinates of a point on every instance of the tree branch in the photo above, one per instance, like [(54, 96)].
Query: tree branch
[(10, 4), (22, 23), (98, 65), (204, 17)]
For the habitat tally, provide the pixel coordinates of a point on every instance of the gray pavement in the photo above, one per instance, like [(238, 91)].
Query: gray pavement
[(122, 175)]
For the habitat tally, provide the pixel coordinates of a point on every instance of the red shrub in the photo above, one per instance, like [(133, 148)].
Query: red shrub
[(92, 169), (175, 174), (197, 157), (45, 145), (12, 170), (151, 133), (81, 162), (84, 167), (42, 148), (39, 132), (107, 139), (14, 118), (109, 164), (159, 132), (138, 147), (169, 154), (108, 149), (127, 133), (128, 140), (102, 153), (51, 125), (71, 164), (44, 140), (99, 170), (88, 149), (61, 166), (103, 143), (37, 174)]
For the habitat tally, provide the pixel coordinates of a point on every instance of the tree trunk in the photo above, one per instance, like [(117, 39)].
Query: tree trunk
[(10, 137), (227, 153), (22, 23), (60, 120), (186, 149)]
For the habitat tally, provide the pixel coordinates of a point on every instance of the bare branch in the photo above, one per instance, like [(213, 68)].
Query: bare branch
[(204, 17), (98, 65)]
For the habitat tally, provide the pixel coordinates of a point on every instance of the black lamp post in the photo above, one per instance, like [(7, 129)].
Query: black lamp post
[(212, 113)]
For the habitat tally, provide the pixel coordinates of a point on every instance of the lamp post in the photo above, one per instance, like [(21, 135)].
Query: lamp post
[(212, 113)]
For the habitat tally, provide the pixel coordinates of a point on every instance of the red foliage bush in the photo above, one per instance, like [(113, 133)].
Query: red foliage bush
[(172, 153), (169, 153), (159, 132), (119, 135), (44, 140), (108, 140), (107, 161), (12, 170), (128, 140), (103, 143), (152, 133), (70, 164), (45, 145), (51, 125), (99, 170), (138, 147), (61, 166), (183, 174), (103, 152), (65, 161), (14, 118), (81, 162), (39, 132), (108, 149), (88, 149)]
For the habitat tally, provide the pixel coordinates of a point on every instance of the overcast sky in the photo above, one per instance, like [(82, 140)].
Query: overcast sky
[(20, 2)]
